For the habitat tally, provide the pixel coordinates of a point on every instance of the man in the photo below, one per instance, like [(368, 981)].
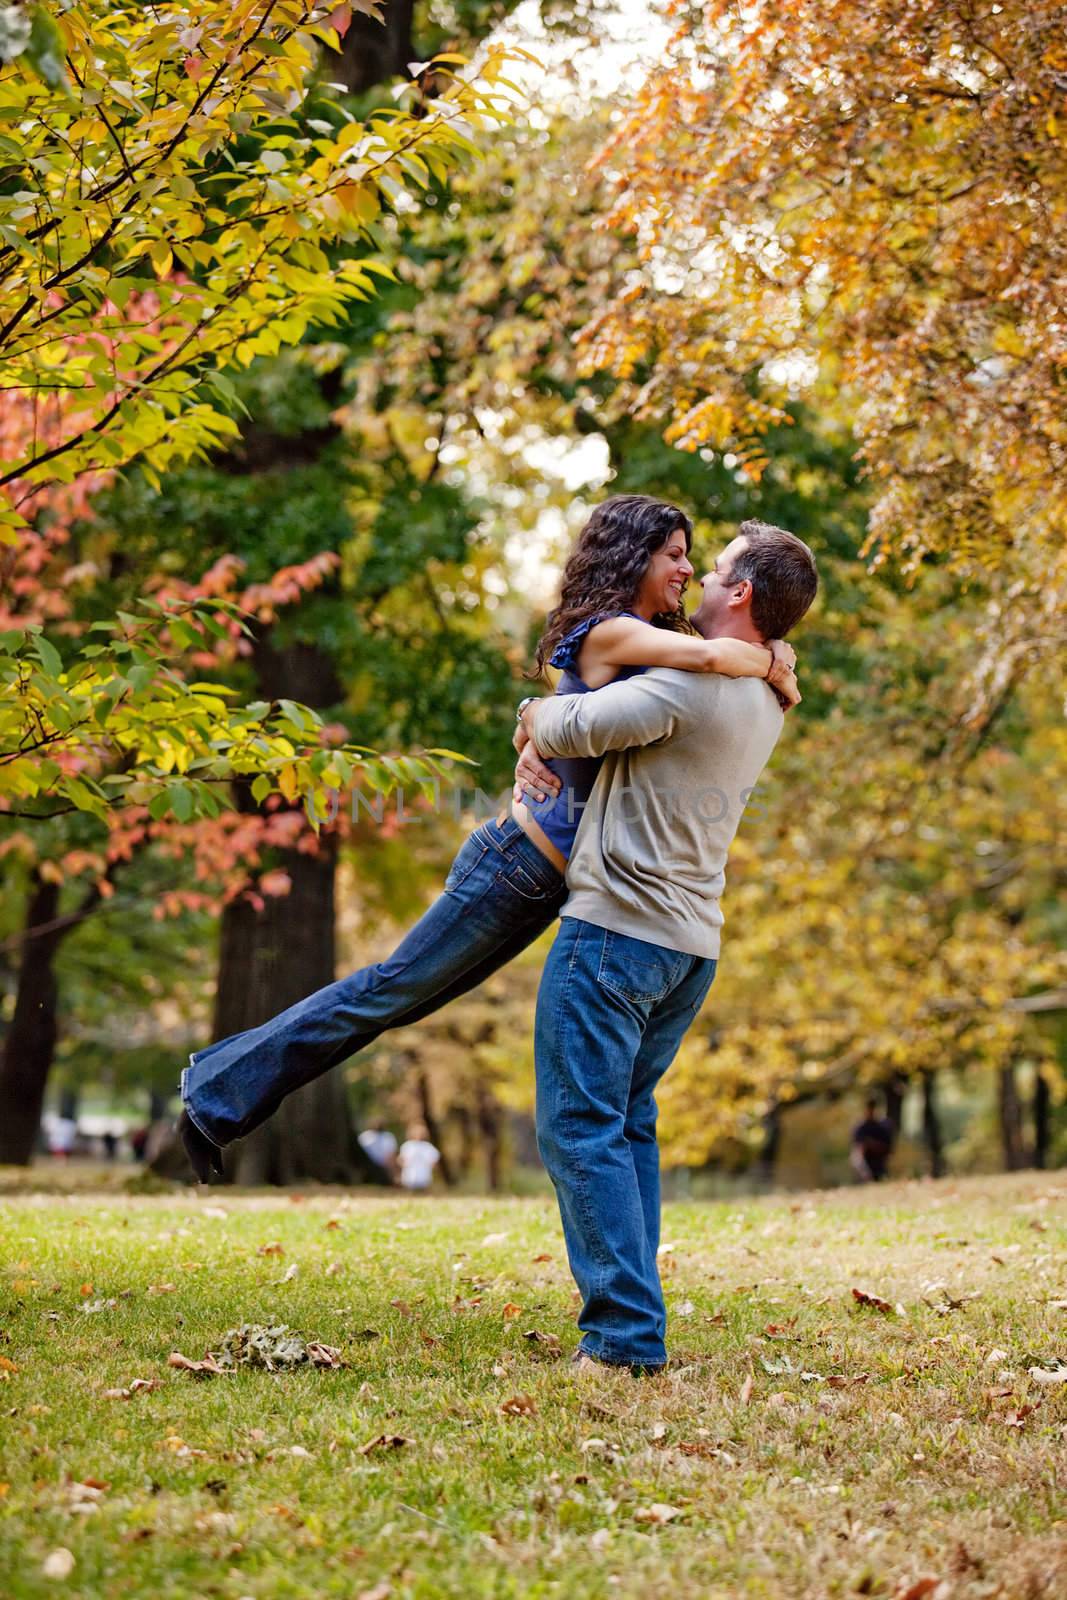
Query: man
[(872, 1144), (639, 936)]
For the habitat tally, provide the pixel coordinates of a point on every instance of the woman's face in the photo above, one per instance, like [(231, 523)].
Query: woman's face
[(665, 578)]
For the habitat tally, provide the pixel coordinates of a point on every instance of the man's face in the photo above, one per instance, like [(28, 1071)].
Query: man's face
[(717, 588)]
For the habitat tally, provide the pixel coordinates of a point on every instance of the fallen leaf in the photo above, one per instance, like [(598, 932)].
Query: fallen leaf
[(863, 1298), (161, 1288), (494, 1238), (333, 1269), (995, 1357), (401, 1306), (657, 1513), (512, 1310), (520, 1405), (430, 1340), (1057, 1374), (7, 1366), (289, 1274), (272, 1249), (334, 1222), (746, 1389), (546, 1258), (686, 1309), (215, 1211), (324, 1355), (384, 1441), (839, 1380), (208, 1365), (549, 1340), (60, 1564), (137, 1386), (920, 1589), (381, 1591)]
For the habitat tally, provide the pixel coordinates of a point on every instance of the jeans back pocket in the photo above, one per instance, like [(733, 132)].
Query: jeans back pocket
[(637, 970)]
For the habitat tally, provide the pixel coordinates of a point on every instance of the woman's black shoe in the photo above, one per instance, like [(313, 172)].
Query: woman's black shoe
[(205, 1157)]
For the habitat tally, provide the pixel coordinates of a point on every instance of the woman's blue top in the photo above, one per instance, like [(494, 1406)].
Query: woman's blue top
[(558, 815)]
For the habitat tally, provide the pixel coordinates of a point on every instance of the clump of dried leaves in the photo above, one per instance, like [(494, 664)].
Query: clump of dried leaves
[(254, 1344)]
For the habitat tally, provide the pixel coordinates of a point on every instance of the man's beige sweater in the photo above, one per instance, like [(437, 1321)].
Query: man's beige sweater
[(683, 752)]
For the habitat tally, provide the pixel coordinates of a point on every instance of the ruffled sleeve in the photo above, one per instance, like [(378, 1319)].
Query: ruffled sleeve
[(565, 655)]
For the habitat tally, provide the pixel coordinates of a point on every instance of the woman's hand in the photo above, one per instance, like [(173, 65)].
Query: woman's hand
[(783, 653), (532, 777), (785, 687), (782, 676)]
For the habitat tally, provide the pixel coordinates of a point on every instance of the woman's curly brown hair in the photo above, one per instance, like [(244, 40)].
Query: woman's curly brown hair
[(607, 564)]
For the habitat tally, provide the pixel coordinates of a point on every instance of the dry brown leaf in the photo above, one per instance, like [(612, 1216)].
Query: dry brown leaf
[(549, 1340), (381, 1591), (384, 1441), (512, 1310), (401, 1306), (542, 1258), (324, 1355), (271, 1249), (333, 1269), (657, 1513), (209, 1365), (161, 1288), (839, 1380), (920, 1589), (520, 1405), (334, 1222), (746, 1389), (863, 1298)]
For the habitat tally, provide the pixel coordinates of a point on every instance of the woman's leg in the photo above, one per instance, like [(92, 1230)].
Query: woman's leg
[(499, 896)]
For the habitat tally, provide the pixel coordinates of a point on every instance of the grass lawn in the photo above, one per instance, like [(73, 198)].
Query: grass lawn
[(801, 1444)]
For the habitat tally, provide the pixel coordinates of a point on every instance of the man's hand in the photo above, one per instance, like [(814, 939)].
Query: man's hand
[(532, 777)]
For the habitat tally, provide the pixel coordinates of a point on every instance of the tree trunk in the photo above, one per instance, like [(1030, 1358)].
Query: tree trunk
[(433, 1127), (372, 51), (895, 1091), (269, 960), (932, 1135), (1042, 1120), (489, 1125), (772, 1138), (272, 958), (31, 1038), (1011, 1121)]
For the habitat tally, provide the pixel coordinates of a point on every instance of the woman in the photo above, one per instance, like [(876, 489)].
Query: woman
[(620, 612)]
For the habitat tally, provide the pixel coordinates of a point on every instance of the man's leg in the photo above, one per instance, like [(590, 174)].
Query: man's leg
[(596, 994), (500, 895), (667, 1024)]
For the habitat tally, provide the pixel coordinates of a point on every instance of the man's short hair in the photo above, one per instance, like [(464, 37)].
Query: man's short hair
[(783, 575)]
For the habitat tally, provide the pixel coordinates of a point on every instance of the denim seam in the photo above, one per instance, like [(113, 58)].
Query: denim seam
[(580, 1182), (185, 1106)]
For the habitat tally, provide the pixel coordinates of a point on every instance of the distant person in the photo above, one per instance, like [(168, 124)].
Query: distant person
[(872, 1144), (63, 1136), (417, 1158), (380, 1145)]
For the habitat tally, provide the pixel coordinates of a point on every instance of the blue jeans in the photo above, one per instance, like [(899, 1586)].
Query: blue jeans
[(500, 895), (611, 1013)]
